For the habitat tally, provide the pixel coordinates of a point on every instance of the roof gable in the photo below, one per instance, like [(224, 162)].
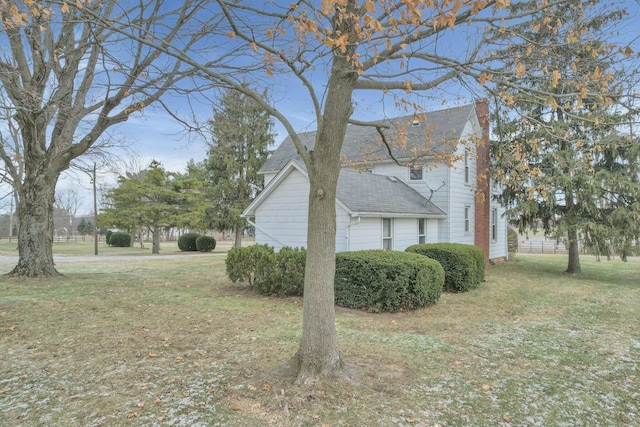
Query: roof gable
[(441, 130), (362, 194)]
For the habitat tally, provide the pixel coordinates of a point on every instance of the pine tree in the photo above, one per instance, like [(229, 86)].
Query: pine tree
[(241, 132), (566, 164), (153, 199)]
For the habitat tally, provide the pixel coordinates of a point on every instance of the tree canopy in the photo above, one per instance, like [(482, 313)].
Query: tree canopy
[(153, 199), (570, 164), (240, 132)]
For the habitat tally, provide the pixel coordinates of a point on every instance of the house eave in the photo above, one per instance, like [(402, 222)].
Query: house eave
[(395, 215)]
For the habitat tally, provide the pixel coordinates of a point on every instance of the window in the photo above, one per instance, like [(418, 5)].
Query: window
[(494, 224), (415, 173), (467, 219), (387, 233), (466, 166), (422, 230)]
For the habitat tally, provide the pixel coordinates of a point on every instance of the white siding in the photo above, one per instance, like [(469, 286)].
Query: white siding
[(460, 194), (365, 233), (405, 233), (281, 219), (499, 247), (342, 229), (268, 177)]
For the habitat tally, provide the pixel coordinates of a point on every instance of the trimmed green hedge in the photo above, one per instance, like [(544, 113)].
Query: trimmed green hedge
[(242, 262), (463, 264), (121, 240), (268, 272), (387, 280), (205, 243), (187, 242)]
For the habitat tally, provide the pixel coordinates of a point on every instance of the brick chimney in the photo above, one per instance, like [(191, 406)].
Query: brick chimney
[(482, 224)]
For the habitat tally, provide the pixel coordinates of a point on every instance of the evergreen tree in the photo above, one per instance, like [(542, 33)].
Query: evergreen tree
[(82, 227), (241, 132), (567, 164), (153, 199)]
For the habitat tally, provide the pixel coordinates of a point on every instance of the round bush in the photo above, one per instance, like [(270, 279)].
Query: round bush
[(242, 264), (187, 242), (463, 264), (205, 243), (108, 236), (120, 240), (387, 280)]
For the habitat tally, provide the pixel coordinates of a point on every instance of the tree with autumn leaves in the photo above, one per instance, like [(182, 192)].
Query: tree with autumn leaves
[(334, 59)]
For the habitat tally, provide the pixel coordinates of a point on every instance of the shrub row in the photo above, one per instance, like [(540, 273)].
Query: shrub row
[(196, 242), (266, 271), (386, 280), (463, 264), (374, 280)]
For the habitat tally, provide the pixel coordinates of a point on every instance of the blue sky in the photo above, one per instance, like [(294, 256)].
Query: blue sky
[(155, 135)]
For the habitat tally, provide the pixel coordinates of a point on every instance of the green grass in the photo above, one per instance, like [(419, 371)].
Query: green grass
[(169, 341)]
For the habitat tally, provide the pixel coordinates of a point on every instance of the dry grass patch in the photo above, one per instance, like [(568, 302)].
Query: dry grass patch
[(171, 342)]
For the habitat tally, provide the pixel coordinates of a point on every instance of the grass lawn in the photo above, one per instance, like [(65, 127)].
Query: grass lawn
[(171, 342)]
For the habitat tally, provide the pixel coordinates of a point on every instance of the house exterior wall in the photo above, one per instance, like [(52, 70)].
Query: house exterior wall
[(365, 233), (498, 248), (280, 227), (460, 194)]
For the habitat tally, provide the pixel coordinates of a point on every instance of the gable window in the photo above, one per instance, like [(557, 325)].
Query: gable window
[(494, 224), (466, 166), (422, 230), (387, 233), (467, 219), (415, 173)]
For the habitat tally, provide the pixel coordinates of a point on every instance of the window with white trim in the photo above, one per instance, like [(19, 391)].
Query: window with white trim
[(467, 219), (494, 224), (422, 230), (466, 166), (415, 173), (387, 233)]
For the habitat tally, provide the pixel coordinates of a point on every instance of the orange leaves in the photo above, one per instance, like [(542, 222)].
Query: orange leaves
[(370, 7), (556, 78), (339, 42)]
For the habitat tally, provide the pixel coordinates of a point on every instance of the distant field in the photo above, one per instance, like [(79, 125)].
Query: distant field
[(171, 342)]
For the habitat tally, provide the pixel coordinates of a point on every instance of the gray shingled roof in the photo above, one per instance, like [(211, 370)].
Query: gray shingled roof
[(363, 143), (367, 193)]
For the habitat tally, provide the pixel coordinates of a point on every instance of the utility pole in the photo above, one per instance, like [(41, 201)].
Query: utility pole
[(95, 213)]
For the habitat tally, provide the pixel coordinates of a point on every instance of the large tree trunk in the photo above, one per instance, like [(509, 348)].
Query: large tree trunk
[(572, 236), (35, 234), (574, 252), (156, 240), (318, 354), (238, 241)]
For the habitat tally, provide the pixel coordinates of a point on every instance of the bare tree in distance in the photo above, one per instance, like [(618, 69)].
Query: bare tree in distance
[(66, 79)]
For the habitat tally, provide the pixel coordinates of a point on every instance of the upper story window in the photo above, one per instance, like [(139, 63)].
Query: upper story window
[(415, 173)]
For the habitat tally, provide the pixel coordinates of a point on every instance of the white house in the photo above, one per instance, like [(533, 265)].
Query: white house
[(393, 200)]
